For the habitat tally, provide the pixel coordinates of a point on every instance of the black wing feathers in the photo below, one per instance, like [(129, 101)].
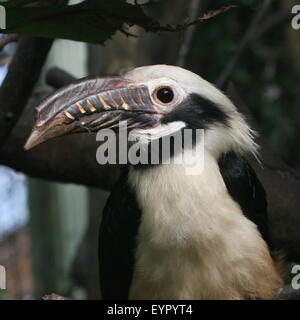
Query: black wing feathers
[(117, 240), (245, 188)]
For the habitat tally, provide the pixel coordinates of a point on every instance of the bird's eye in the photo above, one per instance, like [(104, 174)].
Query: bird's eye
[(165, 95)]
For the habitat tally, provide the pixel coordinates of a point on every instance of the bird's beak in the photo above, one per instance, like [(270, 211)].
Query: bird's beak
[(91, 104)]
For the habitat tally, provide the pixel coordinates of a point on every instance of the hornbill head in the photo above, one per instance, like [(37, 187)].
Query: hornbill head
[(155, 100)]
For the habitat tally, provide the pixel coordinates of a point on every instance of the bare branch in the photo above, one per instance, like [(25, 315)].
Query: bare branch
[(188, 22), (67, 159), (56, 160), (22, 75), (274, 21), (188, 35), (243, 44)]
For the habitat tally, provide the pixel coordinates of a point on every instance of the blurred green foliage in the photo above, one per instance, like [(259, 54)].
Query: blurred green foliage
[(265, 75)]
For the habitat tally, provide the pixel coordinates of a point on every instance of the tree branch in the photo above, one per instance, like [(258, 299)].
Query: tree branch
[(19, 82), (22, 76), (188, 22), (67, 159), (274, 21), (55, 160), (243, 44), (188, 35)]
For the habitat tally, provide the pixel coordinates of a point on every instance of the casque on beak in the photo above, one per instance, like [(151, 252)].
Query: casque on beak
[(91, 104)]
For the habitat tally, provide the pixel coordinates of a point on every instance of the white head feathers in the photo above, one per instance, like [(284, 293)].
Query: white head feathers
[(237, 136)]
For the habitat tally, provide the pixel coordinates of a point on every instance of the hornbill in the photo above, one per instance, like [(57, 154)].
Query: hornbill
[(166, 234)]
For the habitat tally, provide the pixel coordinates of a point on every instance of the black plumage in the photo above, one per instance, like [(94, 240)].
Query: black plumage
[(197, 112), (245, 188), (117, 240)]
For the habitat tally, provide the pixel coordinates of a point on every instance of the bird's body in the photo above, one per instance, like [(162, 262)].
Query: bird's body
[(190, 239), (166, 234)]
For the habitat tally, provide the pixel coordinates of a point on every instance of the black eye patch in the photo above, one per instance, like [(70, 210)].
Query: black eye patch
[(197, 112)]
